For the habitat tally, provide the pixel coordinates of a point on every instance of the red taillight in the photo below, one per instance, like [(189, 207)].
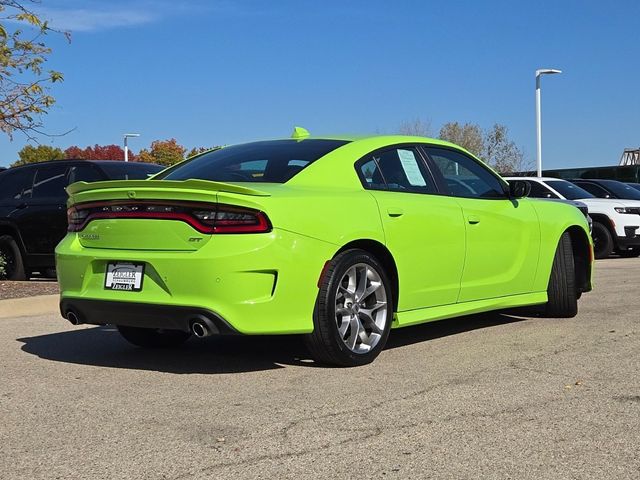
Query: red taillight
[(207, 218)]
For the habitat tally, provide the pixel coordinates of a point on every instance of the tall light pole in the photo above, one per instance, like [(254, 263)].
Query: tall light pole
[(126, 146), (539, 73)]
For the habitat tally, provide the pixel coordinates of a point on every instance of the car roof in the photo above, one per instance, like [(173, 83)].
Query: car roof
[(77, 160), (382, 139), (539, 179)]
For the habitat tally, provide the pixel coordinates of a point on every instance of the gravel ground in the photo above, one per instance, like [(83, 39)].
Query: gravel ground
[(9, 289)]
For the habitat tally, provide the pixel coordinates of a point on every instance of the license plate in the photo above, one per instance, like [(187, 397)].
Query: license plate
[(124, 276)]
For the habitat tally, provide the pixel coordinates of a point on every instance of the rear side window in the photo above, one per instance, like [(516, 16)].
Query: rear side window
[(272, 161), (16, 184), (84, 173), (129, 170), (398, 169), (594, 189)]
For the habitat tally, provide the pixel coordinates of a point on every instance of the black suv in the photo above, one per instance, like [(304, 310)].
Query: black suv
[(608, 188), (33, 212)]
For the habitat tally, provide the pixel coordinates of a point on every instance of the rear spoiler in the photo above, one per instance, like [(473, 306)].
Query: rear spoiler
[(164, 184)]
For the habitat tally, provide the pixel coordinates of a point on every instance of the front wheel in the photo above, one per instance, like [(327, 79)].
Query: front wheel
[(602, 241), (562, 290), (153, 337), (353, 311)]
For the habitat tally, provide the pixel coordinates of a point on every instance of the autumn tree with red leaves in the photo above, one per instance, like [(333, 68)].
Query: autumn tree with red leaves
[(98, 152)]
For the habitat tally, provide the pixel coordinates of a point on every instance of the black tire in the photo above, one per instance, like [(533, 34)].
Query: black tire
[(562, 290), (14, 268), (325, 343), (602, 241), (153, 337)]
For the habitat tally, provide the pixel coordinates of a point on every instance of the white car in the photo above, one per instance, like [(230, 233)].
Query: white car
[(616, 222)]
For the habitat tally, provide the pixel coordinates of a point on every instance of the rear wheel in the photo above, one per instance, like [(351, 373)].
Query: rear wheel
[(562, 290), (153, 337), (353, 311), (13, 262), (602, 241)]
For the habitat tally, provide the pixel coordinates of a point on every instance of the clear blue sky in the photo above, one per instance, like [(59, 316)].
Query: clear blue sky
[(219, 72)]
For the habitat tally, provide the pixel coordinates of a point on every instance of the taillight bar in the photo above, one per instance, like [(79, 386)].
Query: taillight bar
[(211, 218)]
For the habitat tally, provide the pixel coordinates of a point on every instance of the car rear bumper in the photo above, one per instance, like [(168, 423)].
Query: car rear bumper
[(254, 284), (144, 315)]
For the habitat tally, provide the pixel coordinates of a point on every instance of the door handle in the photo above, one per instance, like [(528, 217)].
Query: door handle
[(473, 219), (394, 212)]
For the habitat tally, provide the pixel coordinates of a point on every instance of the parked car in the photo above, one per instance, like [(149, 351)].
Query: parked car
[(634, 185), (33, 208), (552, 198), (338, 239), (608, 189), (616, 223)]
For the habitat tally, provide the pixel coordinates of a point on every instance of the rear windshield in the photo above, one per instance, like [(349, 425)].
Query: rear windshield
[(129, 170), (273, 161), (568, 190)]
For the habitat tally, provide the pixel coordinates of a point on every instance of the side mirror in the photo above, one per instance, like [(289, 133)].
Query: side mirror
[(519, 189)]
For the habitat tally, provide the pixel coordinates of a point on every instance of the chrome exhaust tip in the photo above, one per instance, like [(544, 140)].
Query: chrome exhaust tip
[(202, 327), (200, 330)]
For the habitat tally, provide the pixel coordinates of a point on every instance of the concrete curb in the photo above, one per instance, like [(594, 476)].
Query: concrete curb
[(24, 307)]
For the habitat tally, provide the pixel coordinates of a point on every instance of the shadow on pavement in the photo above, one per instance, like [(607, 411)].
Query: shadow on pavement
[(103, 346)]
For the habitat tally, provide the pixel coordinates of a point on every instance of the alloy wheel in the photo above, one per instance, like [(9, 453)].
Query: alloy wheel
[(361, 308)]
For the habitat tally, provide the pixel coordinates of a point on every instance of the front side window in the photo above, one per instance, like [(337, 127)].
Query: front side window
[(463, 176), (540, 191), (396, 169), (16, 184), (50, 181), (274, 161)]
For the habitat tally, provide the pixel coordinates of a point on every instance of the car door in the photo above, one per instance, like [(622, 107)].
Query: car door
[(423, 230), (503, 235), (15, 191), (45, 222)]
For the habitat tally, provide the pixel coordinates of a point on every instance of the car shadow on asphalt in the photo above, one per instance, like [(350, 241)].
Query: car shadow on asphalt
[(104, 347)]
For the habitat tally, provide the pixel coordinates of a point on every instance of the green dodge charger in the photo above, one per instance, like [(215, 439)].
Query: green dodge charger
[(340, 239)]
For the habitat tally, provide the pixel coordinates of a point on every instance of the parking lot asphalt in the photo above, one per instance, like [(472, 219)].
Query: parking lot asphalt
[(488, 396)]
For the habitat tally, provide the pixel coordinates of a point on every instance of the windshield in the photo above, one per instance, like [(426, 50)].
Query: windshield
[(273, 161), (569, 190), (129, 170), (621, 190)]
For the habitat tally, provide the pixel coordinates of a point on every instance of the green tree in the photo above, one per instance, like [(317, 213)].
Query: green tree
[(41, 153), (163, 152), (24, 83), (468, 136), (198, 150)]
